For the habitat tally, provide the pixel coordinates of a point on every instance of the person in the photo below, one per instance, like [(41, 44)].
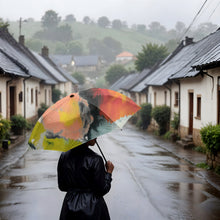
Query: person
[(82, 174)]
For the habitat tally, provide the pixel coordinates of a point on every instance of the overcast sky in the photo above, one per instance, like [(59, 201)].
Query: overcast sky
[(167, 12)]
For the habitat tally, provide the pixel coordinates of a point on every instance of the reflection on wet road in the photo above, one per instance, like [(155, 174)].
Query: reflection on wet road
[(149, 182)]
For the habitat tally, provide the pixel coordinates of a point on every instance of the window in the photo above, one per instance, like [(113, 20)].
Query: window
[(0, 102), (32, 96), (45, 96), (165, 97), (176, 101), (36, 97), (198, 107), (155, 99)]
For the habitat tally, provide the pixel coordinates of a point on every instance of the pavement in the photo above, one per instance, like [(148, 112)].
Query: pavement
[(20, 147)]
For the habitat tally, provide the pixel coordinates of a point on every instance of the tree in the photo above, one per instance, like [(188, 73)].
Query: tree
[(70, 18), (3, 24), (75, 48), (86, 20), (180, 27), (150, 55), (79, 77), (107, 48), (103, 22), (115, 72), (116, 24), (141, 28), (50, 19), (64, 33)]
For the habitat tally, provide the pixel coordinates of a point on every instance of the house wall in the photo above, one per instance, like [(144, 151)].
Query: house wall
[(32, 97), (61, 87), (205, 88), (68, 88), (45, 94), (174, 107), (157, 96), (141, 98), (3, 82)]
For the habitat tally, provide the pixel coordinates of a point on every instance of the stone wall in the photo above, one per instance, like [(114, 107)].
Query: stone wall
[(213, 160)]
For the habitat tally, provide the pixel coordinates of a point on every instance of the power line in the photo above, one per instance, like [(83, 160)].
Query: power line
[(194, 19), (214, 10)]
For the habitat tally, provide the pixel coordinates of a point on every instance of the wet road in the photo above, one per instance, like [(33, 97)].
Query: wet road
[(149, 182)]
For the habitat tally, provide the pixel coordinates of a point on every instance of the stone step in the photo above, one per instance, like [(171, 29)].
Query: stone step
[(185, 145), (187, 140)]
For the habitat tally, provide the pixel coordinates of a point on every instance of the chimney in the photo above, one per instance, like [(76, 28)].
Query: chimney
[(188, 40), (21, 40), (45, 51)]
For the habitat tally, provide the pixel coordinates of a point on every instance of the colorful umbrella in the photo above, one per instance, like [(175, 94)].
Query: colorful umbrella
[(81, 117)]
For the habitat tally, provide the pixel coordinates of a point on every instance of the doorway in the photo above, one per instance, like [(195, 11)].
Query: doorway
[(12, 100), (190, 113)]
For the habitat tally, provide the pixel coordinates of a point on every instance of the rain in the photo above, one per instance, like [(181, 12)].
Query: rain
[(159, 172)]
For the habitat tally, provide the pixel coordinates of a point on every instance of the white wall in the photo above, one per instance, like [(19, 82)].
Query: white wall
[(3, 81), (31, 86), (159, 92), (204, 87)]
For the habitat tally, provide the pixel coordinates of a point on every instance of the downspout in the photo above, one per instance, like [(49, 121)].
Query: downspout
[(25, 95), (205, 73)]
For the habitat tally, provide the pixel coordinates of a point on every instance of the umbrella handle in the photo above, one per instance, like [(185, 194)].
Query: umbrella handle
[(101, 151)]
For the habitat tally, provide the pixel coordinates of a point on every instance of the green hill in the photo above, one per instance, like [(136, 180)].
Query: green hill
[(130, 40)]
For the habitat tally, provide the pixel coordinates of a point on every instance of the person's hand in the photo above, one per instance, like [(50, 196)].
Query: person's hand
[(109, 166)]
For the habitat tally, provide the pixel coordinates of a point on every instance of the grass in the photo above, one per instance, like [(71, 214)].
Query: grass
[(131, 41), (203, 166)]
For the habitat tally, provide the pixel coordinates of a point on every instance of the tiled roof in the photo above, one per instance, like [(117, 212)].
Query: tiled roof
[(23, 56), (180, 63), (123, 81), (9, 66), (125, 54), (60, 59), (86, 60), (58, 76)]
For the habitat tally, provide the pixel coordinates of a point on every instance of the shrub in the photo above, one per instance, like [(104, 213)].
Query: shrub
[(42, 109), (56, 93), (5, 126), (145, 116), (18, 124), (210, 135), (175, 122), (161, 114)]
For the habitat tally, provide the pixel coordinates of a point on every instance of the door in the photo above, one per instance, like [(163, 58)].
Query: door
[(218, 110), (190, 113), (12, 100)]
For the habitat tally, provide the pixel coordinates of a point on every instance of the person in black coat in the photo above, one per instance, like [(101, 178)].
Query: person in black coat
[(82, 174)]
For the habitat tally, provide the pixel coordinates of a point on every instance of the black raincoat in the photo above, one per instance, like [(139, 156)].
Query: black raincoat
[(81, 173)]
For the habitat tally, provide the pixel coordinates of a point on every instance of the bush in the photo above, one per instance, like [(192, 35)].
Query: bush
[(210, 135), (5, 126), (18, 124), (42, 109), (175, 122), (56, 93), (161, 114), (145, 116)]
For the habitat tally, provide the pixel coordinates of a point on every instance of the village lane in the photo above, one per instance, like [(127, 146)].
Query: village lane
[(149, 182)]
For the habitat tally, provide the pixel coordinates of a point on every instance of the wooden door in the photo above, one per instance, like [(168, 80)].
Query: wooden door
[(12, 100), (190, 113)]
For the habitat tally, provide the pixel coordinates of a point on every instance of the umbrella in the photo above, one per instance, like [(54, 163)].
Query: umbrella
[(80, 117)]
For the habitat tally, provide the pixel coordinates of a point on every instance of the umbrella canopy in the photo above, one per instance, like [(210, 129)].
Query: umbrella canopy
[(80, 117)]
